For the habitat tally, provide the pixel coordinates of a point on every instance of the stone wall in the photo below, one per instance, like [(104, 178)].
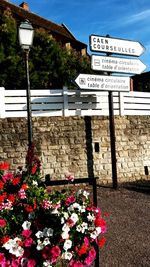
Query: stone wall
[(80, 145)]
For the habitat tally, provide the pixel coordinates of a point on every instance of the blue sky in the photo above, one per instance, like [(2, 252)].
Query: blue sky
[(128, 19)]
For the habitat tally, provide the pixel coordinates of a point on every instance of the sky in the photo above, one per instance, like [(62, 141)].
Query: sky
[(129, 20)]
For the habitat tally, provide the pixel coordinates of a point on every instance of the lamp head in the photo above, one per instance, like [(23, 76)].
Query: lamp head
[(26, 33)]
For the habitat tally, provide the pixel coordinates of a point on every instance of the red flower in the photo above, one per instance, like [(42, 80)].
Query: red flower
[(24, 186), (31, 263), (26, 233), (82, 250), (70, 200), (100, 222), (1, 185), (29, 208), (28, 242), (4, 166), (102, 242), (4, 239), (11, 198), (55, 251), (2, 223), (33, 170), (46, 252), (16, 181), (2, 197)]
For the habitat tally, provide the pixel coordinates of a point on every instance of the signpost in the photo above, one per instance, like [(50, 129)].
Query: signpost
[(110, 83), (103, 82), (115, 46), (117, 64), (110, 64)]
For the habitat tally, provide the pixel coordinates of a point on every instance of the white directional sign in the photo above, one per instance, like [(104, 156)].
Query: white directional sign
[(115, 46), (116, 64), (103, 82)]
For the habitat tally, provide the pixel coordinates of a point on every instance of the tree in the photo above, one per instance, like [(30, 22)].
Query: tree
[(50, 64)]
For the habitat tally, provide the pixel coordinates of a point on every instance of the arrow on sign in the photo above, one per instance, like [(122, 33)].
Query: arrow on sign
[(117, 64), (115, 46), (103, 82)]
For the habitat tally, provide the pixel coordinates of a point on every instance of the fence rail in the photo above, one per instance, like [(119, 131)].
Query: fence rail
[(65, 102)]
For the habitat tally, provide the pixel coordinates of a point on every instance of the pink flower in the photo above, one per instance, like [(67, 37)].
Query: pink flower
[(76, 264), (69, 177), (54, 259), (70, 200), (2, 223), (26, 233), (86, 241), (28, 242), (15, 263), (8, 176), (88, 261), (46, 204), (92, 253), (46, 252), (31, 263), (55, 251), (22, 194), (2, 259)]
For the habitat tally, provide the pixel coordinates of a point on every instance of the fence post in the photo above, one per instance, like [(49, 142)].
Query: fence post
[(2, 102), (121, 103), (65, 101)]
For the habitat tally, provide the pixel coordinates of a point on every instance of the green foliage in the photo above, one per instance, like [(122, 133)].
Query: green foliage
[(50, 64)]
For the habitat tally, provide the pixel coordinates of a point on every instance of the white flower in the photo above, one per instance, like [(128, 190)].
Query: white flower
[(98, 230), (46, 241), (12, 246), (95, 233), (76, 206), (74, 217), (67, 244), (39, 234), (40, 245), (65, 228), (62, 220), (82, 210), (34, 182), (79, 192), (70, 208), (79, 228), (26, 225), (65, 235), (64, 217), (31, 215), (55, 211), (85, 194), (48, 232), (84, 226), (90, 217), (47, 263), (65, 214), (67, 256)]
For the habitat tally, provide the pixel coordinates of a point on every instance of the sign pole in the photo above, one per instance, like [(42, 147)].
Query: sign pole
[(112, 141), (112, 137)]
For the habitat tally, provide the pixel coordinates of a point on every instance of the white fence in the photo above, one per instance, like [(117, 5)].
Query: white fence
[(65, 102)]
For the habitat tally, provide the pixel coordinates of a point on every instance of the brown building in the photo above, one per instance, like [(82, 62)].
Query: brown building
[(60, 32)]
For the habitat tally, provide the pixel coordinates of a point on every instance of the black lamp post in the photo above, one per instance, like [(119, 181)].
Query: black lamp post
[(26, 33)]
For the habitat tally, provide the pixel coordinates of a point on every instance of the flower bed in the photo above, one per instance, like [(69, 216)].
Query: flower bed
[(38, 228)]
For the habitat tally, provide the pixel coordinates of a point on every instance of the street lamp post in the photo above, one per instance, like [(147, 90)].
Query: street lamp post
[(26, 33)]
